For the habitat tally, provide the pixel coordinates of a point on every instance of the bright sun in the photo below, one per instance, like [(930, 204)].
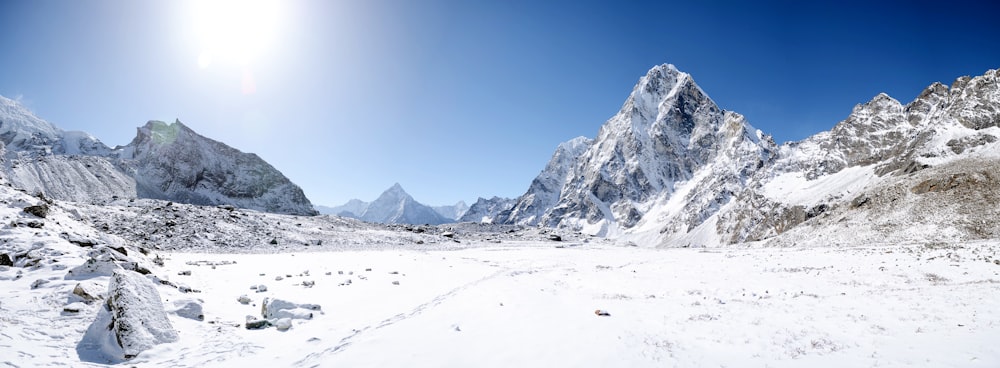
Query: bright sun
[(234, 31)]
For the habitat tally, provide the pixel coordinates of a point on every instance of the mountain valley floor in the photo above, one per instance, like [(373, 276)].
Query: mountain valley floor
[(537, 303)]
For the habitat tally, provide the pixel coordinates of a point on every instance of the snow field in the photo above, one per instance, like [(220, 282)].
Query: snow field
[(919, 305)]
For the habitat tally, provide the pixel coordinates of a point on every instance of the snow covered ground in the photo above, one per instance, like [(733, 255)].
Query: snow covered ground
[(533, 304)]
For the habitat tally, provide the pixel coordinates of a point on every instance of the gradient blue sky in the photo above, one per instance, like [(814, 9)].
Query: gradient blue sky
[(460, 99)]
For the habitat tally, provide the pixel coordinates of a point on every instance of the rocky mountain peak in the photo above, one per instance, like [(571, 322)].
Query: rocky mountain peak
[(667, 130), (975, 101)]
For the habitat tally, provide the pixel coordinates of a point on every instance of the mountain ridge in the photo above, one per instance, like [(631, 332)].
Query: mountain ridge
[(672, 168), (396, 206), (164, 161)]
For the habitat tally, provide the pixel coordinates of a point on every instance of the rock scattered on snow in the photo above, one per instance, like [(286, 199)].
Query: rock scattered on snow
[(38, 283), (261, 288), (273, 308), (448, 234), (189, 308), (138, 320), (184, 273), (602, 313), (309, 283), (89, 291), (40, 210), (257, 324), (104, 261), (244, 299), (5, 260), (74, 307), (555, 237), (283, 324)]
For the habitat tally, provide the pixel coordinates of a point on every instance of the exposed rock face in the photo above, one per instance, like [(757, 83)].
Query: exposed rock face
[(172, 162), (138, 321), (164, 161)]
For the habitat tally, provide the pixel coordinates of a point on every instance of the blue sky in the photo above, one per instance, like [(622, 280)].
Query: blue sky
[(460, 99)]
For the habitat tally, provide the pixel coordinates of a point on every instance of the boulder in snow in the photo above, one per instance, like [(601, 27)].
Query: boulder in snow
[(257, 324), (278, 308), (283, 324), (138, 320), (189, 308), (40, 210)]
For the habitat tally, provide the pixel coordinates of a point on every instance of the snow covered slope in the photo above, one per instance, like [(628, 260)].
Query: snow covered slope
[(163, 161)]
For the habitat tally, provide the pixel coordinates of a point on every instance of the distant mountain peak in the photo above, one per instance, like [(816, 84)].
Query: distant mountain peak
[(396, 188), (395, 206)]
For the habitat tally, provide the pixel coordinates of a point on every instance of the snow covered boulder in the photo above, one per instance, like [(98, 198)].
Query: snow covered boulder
[(138, 320), (277, 308), (283, 324), (189, 308)]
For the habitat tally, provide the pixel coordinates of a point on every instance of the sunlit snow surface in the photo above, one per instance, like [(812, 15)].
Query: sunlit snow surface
[(533, 304)]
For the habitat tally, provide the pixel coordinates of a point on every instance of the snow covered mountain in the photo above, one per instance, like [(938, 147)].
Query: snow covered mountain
[(353, 208), (486, 210), (172, 162), (164, 161), (395, 206), (452, 212), (922, 171), (546, 188), (673, 169), (668, 140)]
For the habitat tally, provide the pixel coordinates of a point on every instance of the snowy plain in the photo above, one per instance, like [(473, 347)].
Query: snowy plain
[(533, 304)]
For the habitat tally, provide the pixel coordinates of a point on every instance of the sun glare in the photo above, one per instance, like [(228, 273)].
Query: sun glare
[(234, 31)]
